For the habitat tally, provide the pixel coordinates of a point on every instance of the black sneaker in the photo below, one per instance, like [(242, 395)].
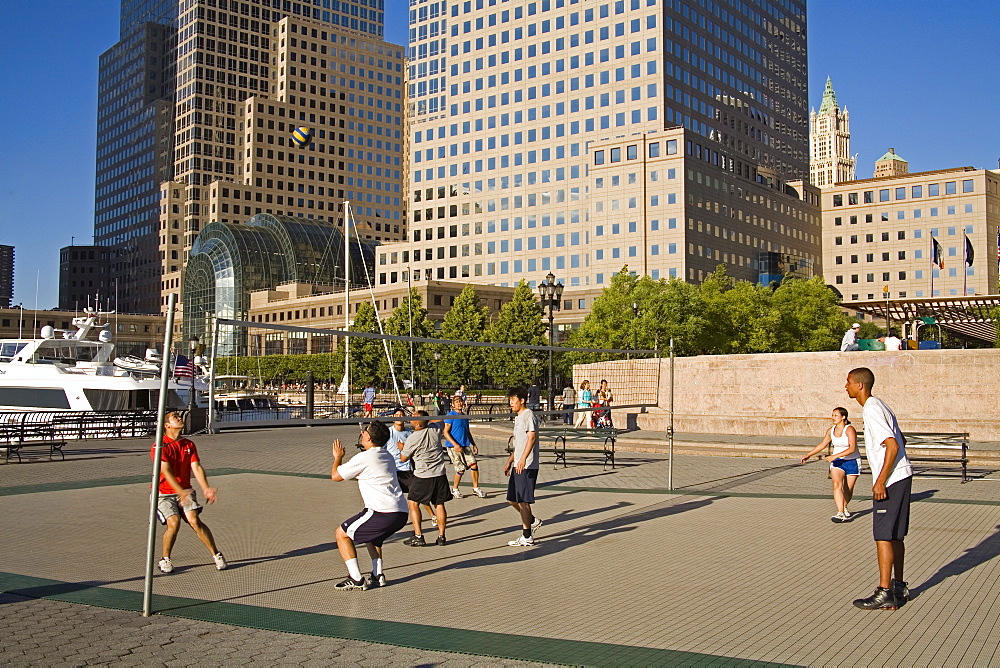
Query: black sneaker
[(441, 540), (377, 580), (901, 591), (415, 541), (881, 599), (351, 583)]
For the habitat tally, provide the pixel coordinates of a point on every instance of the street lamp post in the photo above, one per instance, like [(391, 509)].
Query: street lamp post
[(550, 293), (193, 348), (437, 385)]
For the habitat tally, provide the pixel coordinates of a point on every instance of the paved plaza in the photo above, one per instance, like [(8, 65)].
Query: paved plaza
[(738, 565)]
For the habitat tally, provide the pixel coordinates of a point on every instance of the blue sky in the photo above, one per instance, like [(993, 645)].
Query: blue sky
[(917, 75)]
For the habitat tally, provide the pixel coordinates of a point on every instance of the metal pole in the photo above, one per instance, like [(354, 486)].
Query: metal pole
[(409, 310), (552, 396), (670, 427), (154, 490), (310, 395), (211, 378)]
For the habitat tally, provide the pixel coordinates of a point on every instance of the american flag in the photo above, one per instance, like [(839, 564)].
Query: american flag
[(183, 367), (937, 257)]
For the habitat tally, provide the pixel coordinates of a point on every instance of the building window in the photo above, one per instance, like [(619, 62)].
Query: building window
[(838, 200), (598, 157)]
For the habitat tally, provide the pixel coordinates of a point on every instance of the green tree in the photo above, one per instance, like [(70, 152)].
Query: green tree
[(519, 321), (365, 354), (806, 316), (398, 323), (465, 321)]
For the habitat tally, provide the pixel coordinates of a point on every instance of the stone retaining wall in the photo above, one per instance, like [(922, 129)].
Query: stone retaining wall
[(792, 394)]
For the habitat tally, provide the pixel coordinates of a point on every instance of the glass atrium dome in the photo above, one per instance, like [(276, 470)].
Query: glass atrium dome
[(228, 261)]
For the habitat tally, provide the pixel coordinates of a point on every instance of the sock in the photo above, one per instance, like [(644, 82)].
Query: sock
[(376, 567), (526, 533), (353, 569)]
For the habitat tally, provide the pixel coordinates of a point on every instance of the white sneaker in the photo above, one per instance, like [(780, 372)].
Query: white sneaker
[(838, 518), (455, 493), (478, 492), (166, 566), (847, 515), (535, 525), (220, 562), (521, 542), (434, 522)]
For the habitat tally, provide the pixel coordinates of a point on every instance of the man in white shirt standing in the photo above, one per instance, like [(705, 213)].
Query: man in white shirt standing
[(885, 448), (385, 508)]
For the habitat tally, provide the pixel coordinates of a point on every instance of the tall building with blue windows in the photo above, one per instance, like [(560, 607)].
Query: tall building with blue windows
[(581, 136), (170, 109)]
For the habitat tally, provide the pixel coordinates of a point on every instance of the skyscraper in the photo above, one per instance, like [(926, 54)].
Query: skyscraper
[(170, 101), (6, 275), (830, 159), (542, 132)]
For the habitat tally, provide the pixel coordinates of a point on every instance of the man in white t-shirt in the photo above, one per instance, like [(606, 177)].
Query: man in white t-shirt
[(885, 449), (385, 508)]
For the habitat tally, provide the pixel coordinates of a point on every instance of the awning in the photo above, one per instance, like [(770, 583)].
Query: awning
[(970, 315)]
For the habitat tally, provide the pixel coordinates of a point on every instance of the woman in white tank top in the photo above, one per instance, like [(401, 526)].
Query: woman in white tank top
[(845, 462)]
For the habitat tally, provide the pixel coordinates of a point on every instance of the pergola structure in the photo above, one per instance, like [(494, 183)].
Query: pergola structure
[(971, 316)]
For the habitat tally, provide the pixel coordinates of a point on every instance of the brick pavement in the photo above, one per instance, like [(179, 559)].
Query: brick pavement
[(740, 564)]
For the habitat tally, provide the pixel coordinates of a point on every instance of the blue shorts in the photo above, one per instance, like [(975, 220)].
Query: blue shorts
[(848, 466), (521, 486), (891, 515), (373, 527)]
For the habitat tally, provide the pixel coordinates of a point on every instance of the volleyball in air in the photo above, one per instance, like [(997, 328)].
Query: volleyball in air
[(302, 137)]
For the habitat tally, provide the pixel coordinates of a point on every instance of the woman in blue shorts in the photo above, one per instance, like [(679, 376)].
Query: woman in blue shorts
[(845, 462)]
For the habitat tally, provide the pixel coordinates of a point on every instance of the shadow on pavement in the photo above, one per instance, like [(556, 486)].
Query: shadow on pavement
[(984, 551)]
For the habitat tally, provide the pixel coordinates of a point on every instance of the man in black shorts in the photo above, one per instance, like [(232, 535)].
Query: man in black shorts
[(892, 473), (522, 466), (430, 480), (385, 508)]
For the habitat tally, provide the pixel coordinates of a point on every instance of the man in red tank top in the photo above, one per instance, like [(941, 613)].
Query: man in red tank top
[(178, 460)]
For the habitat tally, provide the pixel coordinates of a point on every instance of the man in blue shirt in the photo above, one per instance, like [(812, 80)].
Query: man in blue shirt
[(461, 448)]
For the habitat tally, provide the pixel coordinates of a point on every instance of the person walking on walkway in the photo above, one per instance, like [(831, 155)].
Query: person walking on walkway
[(845, 462), (385, 508), (178, 460), (430, 480), (368, 398), (885, 448), (522, 466), (462, 448), (583, 400)]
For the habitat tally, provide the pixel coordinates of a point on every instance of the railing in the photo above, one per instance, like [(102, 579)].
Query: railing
[(28, 426)]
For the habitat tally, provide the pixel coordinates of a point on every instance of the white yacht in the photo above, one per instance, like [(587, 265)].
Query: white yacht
[(73, 373)]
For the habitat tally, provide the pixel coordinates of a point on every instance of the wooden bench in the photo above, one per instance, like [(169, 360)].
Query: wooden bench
[(560, 436), (936, 448), (14, 436)]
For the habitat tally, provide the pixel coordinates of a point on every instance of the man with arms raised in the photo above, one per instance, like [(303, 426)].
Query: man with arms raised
[(885, 448), (385, 508)]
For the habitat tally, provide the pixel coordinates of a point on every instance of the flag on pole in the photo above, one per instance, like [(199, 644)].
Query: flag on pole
[(969, 253), (183, 367), (937, 256)]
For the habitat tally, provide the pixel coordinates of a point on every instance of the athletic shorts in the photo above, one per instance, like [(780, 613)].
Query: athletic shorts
[(404, 478), (371, 527), (521, 486), (892, 514), (848, 466), (368, 408), (463, 458), (170, 504), (430, 490)]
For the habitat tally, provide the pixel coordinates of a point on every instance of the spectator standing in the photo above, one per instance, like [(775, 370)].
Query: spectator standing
[(534, 397), (568, 403), (583, 400)]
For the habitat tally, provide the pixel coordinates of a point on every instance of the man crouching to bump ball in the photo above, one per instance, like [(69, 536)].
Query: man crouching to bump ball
[(385, 508)]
